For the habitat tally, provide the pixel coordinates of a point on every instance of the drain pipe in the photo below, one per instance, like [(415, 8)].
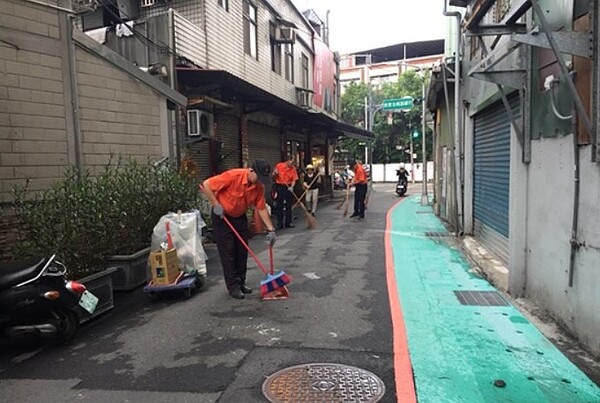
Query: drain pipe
[(575, 244), (457, 121)]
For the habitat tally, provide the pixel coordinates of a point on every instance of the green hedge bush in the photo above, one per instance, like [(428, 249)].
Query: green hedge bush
[(86, 218)]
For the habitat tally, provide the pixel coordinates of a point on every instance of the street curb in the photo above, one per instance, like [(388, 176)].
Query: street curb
[(486, 264)]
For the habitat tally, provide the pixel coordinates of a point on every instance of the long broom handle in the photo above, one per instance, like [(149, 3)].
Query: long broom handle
[(306, 190), (239, 237), (298, 202), (271, 259)]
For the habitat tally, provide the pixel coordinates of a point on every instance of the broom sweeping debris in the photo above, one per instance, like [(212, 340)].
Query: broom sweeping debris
[(282, 292), (306, 190), (311, 222), (273, 281), (346, 200)]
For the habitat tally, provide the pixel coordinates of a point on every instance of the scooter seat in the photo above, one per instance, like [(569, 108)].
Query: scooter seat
[(13, 273)]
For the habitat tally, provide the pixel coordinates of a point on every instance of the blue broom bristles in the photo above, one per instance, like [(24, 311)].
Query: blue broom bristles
[(273, 282)]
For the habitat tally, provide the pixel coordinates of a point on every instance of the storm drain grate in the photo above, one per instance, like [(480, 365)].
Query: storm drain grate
[(480, 298), (329, 383), (437, 234)]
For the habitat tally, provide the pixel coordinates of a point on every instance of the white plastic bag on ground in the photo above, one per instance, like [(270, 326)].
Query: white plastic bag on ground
[(186, 233)]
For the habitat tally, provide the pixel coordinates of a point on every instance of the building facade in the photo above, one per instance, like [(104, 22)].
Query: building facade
[(517, 148), (261, 81), (383, 65), (67, 100)]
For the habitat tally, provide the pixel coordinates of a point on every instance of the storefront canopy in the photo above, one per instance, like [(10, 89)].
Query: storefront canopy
[(229, 89)]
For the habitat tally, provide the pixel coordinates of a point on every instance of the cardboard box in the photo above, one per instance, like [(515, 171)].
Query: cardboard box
[(164, 266)]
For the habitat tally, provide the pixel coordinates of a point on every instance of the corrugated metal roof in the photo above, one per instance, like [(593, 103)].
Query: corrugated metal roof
[(408, 50)]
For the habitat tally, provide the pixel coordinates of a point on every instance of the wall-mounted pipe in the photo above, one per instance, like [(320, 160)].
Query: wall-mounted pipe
[(575, 244), (457, 120)]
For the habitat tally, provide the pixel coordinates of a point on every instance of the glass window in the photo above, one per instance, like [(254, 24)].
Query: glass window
[(288, 49), (250, 29), (224, 4), (275, 50), (305, 70)]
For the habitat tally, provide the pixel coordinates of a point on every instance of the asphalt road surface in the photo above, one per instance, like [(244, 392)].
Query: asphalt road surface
[(212, 348)]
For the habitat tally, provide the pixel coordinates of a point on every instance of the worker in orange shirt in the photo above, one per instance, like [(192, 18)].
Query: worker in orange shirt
[(285, 176), (231, 194), (360, 183)]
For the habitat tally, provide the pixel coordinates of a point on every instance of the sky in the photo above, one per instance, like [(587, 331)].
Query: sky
[(357, 25)]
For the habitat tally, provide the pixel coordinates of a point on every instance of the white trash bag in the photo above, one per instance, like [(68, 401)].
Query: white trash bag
[(186, 233)]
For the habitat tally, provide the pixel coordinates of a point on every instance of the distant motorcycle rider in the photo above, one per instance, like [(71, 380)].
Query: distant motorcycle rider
[(402, 173)]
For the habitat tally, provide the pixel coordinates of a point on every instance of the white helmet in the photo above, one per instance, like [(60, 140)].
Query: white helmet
[(402, 165)]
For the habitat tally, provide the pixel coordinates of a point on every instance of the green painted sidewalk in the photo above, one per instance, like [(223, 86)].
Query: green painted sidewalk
[(459, 351)]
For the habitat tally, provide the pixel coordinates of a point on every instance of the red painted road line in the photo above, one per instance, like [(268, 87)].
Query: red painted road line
[(403, 374)]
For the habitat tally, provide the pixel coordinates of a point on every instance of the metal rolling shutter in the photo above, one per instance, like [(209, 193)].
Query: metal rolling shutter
[(491, 177), (201, 154), (264, 142), (228, 132)]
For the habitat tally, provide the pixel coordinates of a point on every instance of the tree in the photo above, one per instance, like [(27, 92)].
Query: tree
[(353, 112), (387, 136)]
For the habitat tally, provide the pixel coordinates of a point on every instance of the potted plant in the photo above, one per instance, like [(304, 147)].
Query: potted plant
[(91, 222)]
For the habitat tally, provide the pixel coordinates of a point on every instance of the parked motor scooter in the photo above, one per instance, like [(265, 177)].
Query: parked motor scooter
[(401, 186), (36, 300)]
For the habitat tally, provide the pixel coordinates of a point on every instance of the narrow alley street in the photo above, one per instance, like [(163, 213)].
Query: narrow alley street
[(212, 348)]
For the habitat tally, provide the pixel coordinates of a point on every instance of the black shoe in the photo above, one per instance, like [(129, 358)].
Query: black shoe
[(354, 215), (290, 226), (237, 294), (313, 214), (245, 290)]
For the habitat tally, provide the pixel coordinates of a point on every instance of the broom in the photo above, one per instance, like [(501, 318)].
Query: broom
[(311, 222), (346, 200), (273, 281), (306, 190)]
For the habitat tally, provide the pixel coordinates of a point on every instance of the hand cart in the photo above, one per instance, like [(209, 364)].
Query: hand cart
[(187, 283)]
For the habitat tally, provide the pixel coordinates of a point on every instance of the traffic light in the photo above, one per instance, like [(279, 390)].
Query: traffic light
[(415, 134)]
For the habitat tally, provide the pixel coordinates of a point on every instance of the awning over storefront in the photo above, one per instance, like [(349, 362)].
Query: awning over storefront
[(228, 89)]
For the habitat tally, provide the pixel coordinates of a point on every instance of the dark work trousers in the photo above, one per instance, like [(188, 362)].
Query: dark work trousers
[(234, 256), (284, 195), (359, 199)]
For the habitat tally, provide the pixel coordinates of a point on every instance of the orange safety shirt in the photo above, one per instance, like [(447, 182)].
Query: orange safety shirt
[(235, 193), (360, 177), (287, 175)]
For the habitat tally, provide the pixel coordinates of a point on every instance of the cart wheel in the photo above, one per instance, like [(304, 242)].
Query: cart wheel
[(187, 293), (200, 280), (153, 296)]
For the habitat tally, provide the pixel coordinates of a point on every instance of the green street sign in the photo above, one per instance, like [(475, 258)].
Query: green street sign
[(402, 104)]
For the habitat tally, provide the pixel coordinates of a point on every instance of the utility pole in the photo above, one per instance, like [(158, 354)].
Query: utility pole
[(412, 159), (424, 196), (370, 103)]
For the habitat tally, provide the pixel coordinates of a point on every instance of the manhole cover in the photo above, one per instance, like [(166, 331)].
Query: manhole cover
[(323, 383), (480, 298)]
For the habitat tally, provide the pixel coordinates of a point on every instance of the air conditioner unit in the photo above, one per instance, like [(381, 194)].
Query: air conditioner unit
[(304, 98), (200, 123), (285, 35)]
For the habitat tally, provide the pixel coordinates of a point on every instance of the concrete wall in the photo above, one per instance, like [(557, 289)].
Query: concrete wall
[(118, 114), (33, 127), (387, 172), (549, 209)]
